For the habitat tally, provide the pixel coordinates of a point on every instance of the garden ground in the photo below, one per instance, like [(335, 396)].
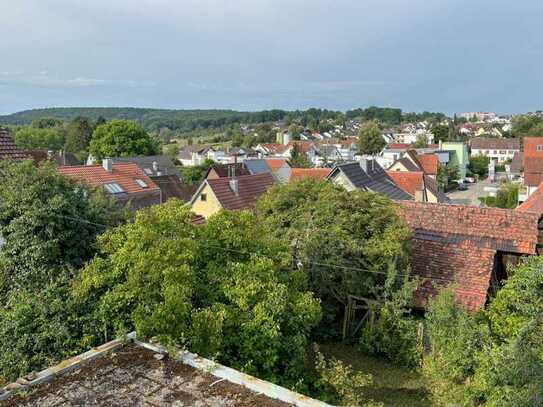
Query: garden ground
[(392, 385)]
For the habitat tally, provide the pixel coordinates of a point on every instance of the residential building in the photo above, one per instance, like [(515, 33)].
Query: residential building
[(8, 149), (270, 149), (481, 116), (152, 165), (458, 156), (420, 186), (229, 193), (466, 247), (193, 155), (226, 170), (498, 149), (533, 163), (366, 175), (279, 168), (126, 182), (412, 161), (297, 174), (129, 372), (58, 157)]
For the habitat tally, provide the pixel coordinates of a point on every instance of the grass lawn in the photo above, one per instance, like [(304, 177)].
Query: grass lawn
[(392, 385)]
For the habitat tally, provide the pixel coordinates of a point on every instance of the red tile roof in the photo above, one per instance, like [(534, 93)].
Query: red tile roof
[(8, 149), (250, 188), (429, 163), (274, 147), (397, 146), (316, 173), (124, 174), (533, 170), (303, 146), (530, 146), (275, 163), (455, 244), (409, 181), (534, 203)]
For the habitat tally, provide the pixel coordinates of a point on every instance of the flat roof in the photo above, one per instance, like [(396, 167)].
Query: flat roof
[(136, 373)]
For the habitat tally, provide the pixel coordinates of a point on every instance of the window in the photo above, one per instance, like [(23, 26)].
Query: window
[(203, 197), (113, 188), (141, 183), (502, 152), (148, 171), (540, 147)]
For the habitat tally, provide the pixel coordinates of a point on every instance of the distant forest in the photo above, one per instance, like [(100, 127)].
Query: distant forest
[(189, 120)]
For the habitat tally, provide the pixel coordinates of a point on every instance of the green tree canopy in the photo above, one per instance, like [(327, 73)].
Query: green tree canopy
[(122, 138), (218, 289), (370, 140), (298, 159), (440, 132), (344, 241), (47, 221), (78, 135), (30, 138)]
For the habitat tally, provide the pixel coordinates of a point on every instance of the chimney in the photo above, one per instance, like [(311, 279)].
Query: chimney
[(364, 164), (107, 163), (155, 166), (234, 186)]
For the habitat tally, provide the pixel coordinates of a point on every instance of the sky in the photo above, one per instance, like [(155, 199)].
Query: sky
[(436, 55)]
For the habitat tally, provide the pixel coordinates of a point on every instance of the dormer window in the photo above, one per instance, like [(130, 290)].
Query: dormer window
[(113, 188), (141, 183)]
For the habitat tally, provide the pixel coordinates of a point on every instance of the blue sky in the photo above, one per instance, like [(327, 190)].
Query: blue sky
[(439, 55)]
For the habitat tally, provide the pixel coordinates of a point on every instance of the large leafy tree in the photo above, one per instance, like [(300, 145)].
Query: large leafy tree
[(47, 221), (49, 138), (298, 159), (370, 140), (218, 289), (78, 135), (345, 242), (122, 138)]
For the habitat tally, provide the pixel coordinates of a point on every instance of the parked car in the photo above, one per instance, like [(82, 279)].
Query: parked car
[(462, 187), (469, 180)]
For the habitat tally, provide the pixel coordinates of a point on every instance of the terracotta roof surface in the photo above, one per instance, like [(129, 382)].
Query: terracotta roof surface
[(457, 244), (8, 149), (124, 174), (517, 163), (531, 146), (303, 146), (250, 188), (275, 163), (301, 173), (429, 163), (534, 203), (397, 146), (488, 143), (533, 170), (409, 181)]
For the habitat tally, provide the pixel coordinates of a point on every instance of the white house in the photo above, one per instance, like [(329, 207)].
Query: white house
[(498, 149)]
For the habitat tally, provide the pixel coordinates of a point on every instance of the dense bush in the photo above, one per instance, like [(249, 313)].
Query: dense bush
[(217, 289), (345, 242), (394, 333)]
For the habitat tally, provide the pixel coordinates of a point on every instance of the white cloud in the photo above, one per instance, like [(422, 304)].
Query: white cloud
[(43, 79)]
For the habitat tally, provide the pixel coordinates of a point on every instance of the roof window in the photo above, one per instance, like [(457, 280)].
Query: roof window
[(113, 188), (141, 183)]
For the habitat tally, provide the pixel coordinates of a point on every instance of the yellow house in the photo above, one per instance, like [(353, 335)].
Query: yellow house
[(236, 193)]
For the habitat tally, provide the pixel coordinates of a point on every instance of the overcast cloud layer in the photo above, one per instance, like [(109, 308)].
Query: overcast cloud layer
[(440, 55)]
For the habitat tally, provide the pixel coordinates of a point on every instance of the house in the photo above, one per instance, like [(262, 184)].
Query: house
[(229, 193), (458, 156), (270, 149), (59, 157), (129, 372), (420, 186), (467, 247), (164, 173), (126, 182), (279, 168), (308, 148), (533, 163), (226, 170), (193, 155), (366, 175), (297, 174), (8, 149), (152, 165), (412, 161), (534, 203), (499, 149)]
